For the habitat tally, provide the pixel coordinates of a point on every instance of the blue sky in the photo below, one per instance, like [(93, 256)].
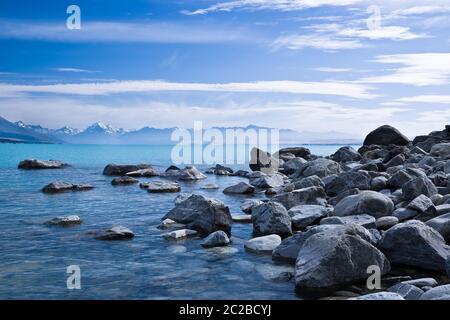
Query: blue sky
[(314, 65)]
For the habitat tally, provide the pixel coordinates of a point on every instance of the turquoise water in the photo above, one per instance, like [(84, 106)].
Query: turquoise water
[(34, 257)]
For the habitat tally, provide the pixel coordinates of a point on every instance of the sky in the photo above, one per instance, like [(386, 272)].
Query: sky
[(308, 65)]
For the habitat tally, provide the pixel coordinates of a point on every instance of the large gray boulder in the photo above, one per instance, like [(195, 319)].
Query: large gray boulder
[(216, 239), (417, 186), (441, 150), (240, 188), (294, 165), (327, 262), (305, 215), (346, 154), (312, 195), (363, 220), (399, 178), (321, 167), (123, 169), (33, 164), (386, 135), (301, 152), (263, 161), (271, 218), (311, 181), (442, 225), (347, 181), (366, 202), (415, 244), (202, 214), (264, 181)]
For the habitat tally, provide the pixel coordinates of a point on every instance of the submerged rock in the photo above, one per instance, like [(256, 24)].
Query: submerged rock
[(202, 214), (242, 218), (263, 245), (33, 164), (64, 221), (180, 234), (114, 233), (216, 239), (124, 181), (240, 188), (57, 187), (123, 169), (149, 172), (161, 186)]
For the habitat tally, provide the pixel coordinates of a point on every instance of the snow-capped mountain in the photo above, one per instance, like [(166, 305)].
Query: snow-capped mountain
[(100, 128)]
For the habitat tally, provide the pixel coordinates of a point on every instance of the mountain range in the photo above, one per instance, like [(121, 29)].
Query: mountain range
[(100, 133)]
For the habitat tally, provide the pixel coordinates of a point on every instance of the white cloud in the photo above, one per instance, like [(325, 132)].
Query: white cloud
[(145, 32), (321, 42), (333, 70), (389, 32), (438, 99), (75, 70), (419, 69), (346, 89), (280, 5)]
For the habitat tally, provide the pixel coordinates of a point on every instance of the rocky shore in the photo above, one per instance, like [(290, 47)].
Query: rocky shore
[(337, 221)]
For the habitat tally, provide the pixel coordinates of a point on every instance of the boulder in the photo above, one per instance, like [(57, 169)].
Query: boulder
[(202, 214), (378, 183), (64, 221), (407, 291), (347, 181), (399, 178), (301, 152), (311, 181), (216, 239), (263, 161), (442, 225), (380, 296), (162, 187), (57, 187), (422, 282), (305, 215), (123, 169), (190, 173), (124, 181), (312, 195), (328, 262), (415, 244), (149, 172), (424, 206), (273, 180), (385, 223), (403, 214), (294, 165), (366, 202), (386, 135), (437, 293), (180, 234), (240, 188), (441, 150), (364, 220), (346, 154), (271, 218), (114, 233), (417, 186), (263, 245), (33, 164), (320, 167)]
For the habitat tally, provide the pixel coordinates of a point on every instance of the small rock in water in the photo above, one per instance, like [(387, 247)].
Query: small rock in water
[(33, 164), (263, 245), (190, 173), (240, 188), (276, 273), (64, 221), (162, 186), (210, 186), (242, 218), (56, 187), (124, 181), (216, 239), (149, 172), (177, 249), (114, 233), (180, 234), (123, 169), (380, 296), (170, 224)]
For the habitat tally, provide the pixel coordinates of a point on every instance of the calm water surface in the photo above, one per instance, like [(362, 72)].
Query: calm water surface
[(34, 257)]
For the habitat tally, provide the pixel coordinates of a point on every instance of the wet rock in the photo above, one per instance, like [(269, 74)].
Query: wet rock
[(33, 164), (385, 223), (321, 167), (305, 215), (114, 233), (180, 234), (363, 220), (380, 296), (417, 186), (263, 245), (327, 263), (57, 187), (366, 202), (181, 197), (240, 188), (162, 187), (170, 224), (216, 239), (248, 205), (268, 181), (442, 225), (124, 181), (386, 135), (346, 154), (242, 218), (123, 169), (407, 291), (190, 173), (64, 221), (149, 172), (437, 293), (347, 181), (312, 195), (202, 214), (415, 244), (263, 161), (210, 186), (294, 165), (271, 218)]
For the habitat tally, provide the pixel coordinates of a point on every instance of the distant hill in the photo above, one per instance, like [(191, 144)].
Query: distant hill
[(100, 133)]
